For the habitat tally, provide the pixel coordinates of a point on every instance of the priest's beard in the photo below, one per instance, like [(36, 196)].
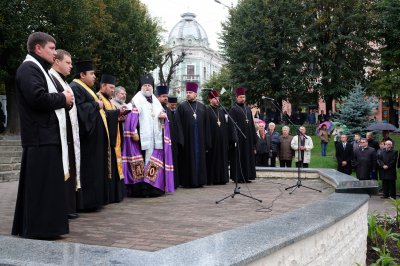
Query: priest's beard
[(147, 93)]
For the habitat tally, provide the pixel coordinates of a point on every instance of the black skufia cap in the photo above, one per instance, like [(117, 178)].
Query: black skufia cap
[(108, 79), (172, 99), (146, 79), (83, 66), (162, 90)]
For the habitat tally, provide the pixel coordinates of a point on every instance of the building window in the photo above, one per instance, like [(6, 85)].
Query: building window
[(205, 72), (190, 70)]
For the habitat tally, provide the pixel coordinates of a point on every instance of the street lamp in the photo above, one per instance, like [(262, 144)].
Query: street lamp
[(219, 2)]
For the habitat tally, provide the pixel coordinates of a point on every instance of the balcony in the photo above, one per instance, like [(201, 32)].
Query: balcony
[(191, 78)]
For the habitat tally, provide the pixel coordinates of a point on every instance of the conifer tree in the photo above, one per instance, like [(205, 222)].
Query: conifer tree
[(356, 110)]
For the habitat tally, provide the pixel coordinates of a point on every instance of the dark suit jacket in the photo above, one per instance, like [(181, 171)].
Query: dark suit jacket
[(344, 155)]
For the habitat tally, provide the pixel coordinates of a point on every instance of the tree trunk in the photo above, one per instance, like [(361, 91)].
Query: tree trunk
[(13, 126), (392, 113)]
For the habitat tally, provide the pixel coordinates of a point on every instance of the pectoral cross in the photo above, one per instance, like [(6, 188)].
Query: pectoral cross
[(194, 115), (219, 123), (247, 121)]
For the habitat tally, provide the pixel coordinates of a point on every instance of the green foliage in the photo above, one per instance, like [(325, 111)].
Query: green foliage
[(396, 204), (218, 81), (297, 50), (379, 236), (119, 36), (356, 110)]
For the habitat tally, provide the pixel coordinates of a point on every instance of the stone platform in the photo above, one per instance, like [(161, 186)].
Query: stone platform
[(152, 224)]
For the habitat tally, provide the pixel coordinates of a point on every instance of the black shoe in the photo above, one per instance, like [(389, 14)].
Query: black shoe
[(73, 215), (248, 181)]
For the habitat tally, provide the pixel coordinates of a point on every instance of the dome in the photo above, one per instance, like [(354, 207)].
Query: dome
[(188, 32)]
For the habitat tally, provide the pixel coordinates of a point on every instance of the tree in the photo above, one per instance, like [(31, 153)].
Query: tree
[(386, 80), (171, 64), (337, 38), (356, 110), (119, 36), (219, 81), (261, 44)]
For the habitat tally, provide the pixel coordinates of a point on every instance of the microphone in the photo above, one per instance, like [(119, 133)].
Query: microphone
[(268, 98)]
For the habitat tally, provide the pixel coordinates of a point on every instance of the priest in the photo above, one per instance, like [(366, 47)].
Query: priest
[(93, 134), (191, 116), (115, 185), (217, 155), (61, 68), (176, 136), (147, 154), (242, 153)]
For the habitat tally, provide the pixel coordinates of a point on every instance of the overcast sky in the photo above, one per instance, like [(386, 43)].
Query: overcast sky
[(208, 13)]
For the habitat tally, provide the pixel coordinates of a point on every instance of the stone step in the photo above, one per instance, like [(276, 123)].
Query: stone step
[(9, 159), (10, 142), (10, 153), (9, 176), (10, 148), (9, 167)]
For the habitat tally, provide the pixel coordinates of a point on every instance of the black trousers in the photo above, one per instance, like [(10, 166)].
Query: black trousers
[(389, 188), (285, 163), (262, 159), (301, 164)]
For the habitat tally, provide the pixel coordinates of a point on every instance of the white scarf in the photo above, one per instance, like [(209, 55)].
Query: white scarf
[(150, 126), (60, 113), (73, 114)]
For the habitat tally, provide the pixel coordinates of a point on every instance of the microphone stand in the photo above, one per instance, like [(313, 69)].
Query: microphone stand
[(300, 157), (236, 190)]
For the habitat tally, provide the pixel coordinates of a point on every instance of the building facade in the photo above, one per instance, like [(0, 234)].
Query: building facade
[(200, 61)]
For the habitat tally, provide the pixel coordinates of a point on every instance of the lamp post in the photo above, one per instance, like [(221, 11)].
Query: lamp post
[(228, 7)]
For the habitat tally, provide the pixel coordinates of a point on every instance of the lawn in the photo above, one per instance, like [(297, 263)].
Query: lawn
[(317, 161)]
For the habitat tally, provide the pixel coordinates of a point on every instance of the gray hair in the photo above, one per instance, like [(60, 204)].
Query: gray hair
[(285, 127), (118, 89)]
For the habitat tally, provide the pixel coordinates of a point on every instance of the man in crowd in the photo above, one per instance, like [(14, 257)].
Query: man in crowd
[(261, 145), (41, 210), (371, 141), (365, 161), (93, 134), (119, 98), (148, 166), (217, 155), (285, 150), (191, 116), (387, 160), (61, 68), (242, 155), (322, 117), (273, 143), (344, 155), (172, 103), (311, 117), (356, 141), (302, 144), (115, 184), (176, 136)]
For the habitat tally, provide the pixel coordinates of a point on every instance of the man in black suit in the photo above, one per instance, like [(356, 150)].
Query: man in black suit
[(344, 155)]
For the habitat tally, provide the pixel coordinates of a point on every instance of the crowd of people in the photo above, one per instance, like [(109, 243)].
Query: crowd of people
[(84, 149)]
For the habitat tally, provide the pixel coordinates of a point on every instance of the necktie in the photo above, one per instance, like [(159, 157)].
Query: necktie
[(344, 146)]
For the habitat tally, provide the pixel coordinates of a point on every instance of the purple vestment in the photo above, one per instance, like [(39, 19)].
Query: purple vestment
[(133, 162)]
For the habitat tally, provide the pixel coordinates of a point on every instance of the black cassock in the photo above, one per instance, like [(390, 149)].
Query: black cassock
[(192, 119), (116, 186), (243, 162), (94, 142), (365, 162), (217, 155), (176, 138), (40, 210)]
